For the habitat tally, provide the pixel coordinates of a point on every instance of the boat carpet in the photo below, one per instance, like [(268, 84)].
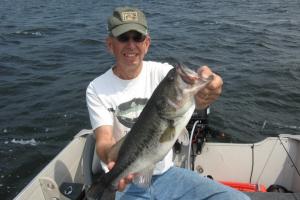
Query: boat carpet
[(273, 196)]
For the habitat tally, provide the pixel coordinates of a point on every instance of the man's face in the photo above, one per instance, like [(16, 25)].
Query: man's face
[(129, 48)]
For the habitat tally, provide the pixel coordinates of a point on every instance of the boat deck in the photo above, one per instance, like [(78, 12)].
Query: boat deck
[(273, 196)]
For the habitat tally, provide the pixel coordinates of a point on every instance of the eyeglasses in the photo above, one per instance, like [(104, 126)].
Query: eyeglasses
[(136, 37)]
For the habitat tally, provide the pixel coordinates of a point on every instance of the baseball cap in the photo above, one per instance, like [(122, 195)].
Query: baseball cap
[(126, 19)]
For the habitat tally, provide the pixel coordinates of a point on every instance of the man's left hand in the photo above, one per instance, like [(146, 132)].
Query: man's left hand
[(211, 92)]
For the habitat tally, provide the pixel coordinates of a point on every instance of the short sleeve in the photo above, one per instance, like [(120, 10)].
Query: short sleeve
[(98, 113)]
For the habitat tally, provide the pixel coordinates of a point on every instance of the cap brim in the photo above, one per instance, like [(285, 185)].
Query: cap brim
[(128, 27)]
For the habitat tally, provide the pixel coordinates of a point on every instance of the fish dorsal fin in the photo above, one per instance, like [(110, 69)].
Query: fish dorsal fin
[(143, 178), (168, 134), (114, 151)]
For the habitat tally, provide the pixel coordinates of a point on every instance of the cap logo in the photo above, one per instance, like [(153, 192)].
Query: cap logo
[(129, 16)]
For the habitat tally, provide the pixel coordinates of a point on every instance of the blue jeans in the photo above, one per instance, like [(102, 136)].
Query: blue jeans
[(181, 184)]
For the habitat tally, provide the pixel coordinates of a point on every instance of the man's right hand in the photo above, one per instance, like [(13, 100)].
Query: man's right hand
[(124, 181)]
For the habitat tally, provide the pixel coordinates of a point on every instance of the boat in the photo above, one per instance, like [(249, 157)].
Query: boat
[(268, 169)]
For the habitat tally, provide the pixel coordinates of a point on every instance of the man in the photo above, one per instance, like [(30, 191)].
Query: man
[(116, 98)]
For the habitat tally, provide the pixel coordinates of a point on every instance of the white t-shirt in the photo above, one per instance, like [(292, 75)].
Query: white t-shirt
[(117, 102)]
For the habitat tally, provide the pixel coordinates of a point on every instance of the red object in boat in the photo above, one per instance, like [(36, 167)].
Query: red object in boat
[(245, 187)]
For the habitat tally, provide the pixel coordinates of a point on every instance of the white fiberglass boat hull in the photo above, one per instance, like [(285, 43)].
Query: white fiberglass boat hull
[(266, 162)]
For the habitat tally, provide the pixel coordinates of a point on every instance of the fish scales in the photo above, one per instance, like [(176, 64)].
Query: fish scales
[(139, 143)]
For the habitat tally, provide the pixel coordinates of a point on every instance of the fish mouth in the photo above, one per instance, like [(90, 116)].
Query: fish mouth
[(191, 77), (187, 75)]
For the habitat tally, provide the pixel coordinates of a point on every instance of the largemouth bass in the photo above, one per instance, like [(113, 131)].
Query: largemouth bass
[(156, 130)]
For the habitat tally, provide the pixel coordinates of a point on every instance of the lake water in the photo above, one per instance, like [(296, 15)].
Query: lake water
[(50, 50)]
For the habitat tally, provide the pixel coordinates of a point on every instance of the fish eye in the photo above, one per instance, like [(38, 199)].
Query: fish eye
[(171, 78), (171, 75)]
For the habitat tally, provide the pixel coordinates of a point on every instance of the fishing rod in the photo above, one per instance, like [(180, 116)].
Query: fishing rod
[(294, 165)]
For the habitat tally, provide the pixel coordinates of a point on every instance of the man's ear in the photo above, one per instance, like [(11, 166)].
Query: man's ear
[(147, 43), (109, 44)]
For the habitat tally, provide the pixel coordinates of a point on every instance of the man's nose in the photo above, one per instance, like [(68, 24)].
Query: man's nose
[(131, 42)]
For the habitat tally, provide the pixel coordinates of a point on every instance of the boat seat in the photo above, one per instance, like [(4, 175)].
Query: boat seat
[(273, 196), (91, 163)]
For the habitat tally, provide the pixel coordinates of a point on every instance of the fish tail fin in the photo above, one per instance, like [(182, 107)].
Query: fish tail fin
[(100, 191)]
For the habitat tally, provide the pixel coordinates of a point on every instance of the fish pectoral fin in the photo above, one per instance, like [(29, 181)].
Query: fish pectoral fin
[(168, 134), (143, 178), (114, 151)]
